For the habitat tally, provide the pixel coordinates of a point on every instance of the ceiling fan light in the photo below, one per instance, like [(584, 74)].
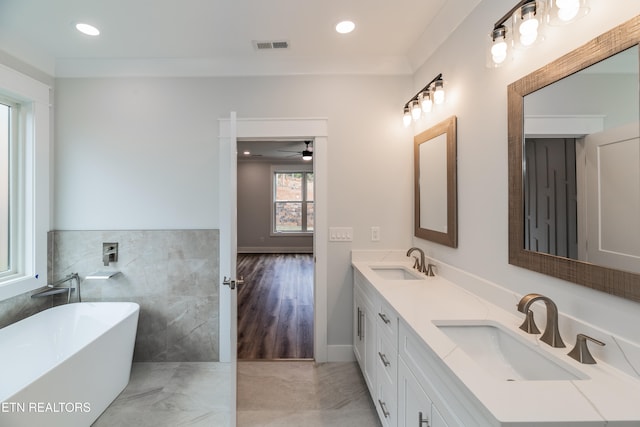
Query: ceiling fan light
[(307, 155)]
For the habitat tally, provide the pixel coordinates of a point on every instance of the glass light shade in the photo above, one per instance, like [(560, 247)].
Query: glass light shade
[(499, 46), (528, 28), (438, 94), (425, 101), (568, 9), (406, 117), (416, 111), (561, 12), (307, 155)]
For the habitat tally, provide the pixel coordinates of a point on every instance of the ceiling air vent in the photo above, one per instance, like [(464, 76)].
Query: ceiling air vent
[(266, 45)]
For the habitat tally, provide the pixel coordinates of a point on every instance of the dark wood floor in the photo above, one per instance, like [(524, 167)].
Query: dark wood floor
[(275, 306)]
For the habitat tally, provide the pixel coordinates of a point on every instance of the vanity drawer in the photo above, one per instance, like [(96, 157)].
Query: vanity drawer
[(386, 402), (387, 321), (387, 356)]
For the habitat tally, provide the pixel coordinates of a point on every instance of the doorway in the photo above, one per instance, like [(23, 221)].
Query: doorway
[(231, 130), (275, 231)]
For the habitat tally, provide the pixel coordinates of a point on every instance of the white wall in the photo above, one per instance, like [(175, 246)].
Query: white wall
[(142, 154), (478, 97)]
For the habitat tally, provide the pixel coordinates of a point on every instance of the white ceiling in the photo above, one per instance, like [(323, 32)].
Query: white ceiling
[(215, 37), (271, 150)]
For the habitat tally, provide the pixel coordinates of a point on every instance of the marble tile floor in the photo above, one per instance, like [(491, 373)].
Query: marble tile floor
[(302, 393), (172, 394), (270, 393)]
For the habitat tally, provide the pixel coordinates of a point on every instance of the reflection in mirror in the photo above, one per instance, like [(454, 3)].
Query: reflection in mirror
[(435, 183), (574, 165), (582, 165)]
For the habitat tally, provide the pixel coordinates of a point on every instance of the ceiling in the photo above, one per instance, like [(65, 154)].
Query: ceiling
[(217, 37), (270, 150)]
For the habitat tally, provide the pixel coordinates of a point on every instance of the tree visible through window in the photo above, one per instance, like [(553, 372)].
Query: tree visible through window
[(293, 202)]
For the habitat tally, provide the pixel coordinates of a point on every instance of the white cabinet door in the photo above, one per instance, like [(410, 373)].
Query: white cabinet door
[(358, 339), (364, 340), (414, 406), (436, 418), (370, 358), (415, 409)]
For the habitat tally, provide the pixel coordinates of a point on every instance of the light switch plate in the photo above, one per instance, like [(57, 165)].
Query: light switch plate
[(340, 234), (375, 234)]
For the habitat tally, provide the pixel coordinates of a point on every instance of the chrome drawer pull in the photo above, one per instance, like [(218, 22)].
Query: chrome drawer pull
[(383, 406), (422, 421), (384, 359), (384, 318)]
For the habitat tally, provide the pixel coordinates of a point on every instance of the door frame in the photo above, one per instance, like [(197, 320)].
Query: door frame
[(315, 129)]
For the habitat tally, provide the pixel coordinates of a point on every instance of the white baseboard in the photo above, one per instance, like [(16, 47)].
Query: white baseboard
[(340, 353), (274, 250)]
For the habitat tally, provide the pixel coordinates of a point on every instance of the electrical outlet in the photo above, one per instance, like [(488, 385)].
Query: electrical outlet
[(340, 234)]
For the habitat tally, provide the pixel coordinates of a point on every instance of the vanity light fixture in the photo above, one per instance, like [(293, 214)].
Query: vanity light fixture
[(521, 26), (422, 102)]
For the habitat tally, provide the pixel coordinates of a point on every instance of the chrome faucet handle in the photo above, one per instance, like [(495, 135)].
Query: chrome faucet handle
[(529, 324), (581, 351), (416, 263), (429, 270)]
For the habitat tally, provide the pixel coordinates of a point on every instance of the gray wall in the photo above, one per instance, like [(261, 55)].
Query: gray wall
[(172, 274), (254, 213)]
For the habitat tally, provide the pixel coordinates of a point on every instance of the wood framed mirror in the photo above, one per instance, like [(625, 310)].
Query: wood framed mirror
[(435, 189), (610, 224)]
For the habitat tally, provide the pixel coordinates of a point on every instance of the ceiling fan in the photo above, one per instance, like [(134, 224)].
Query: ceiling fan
[(307, 153)]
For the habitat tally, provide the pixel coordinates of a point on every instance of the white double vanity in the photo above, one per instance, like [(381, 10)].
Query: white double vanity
[(435, 354)]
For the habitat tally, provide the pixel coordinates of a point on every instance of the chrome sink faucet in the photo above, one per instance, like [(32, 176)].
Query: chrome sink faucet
[(419, 263), (551, 333)]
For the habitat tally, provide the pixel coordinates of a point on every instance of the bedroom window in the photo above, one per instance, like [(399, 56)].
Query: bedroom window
[(293, 202)]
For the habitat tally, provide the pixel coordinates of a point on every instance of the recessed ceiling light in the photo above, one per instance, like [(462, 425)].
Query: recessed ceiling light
[(87, 29), (246, 152), (345, 27)]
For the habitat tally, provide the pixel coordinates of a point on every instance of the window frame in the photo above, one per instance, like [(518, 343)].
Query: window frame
[(31, 211), (15, 184), (275, 169)]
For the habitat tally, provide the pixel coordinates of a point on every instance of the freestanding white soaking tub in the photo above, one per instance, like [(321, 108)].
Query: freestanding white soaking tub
[(65, 365)]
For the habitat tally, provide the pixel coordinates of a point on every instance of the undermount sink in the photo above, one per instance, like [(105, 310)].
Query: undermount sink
[(504, 355), (397, 273)]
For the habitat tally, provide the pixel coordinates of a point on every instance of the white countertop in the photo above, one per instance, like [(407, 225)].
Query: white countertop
[(608, 396)]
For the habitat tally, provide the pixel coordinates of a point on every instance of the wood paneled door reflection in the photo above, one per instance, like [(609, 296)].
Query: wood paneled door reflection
[(275, 306)]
